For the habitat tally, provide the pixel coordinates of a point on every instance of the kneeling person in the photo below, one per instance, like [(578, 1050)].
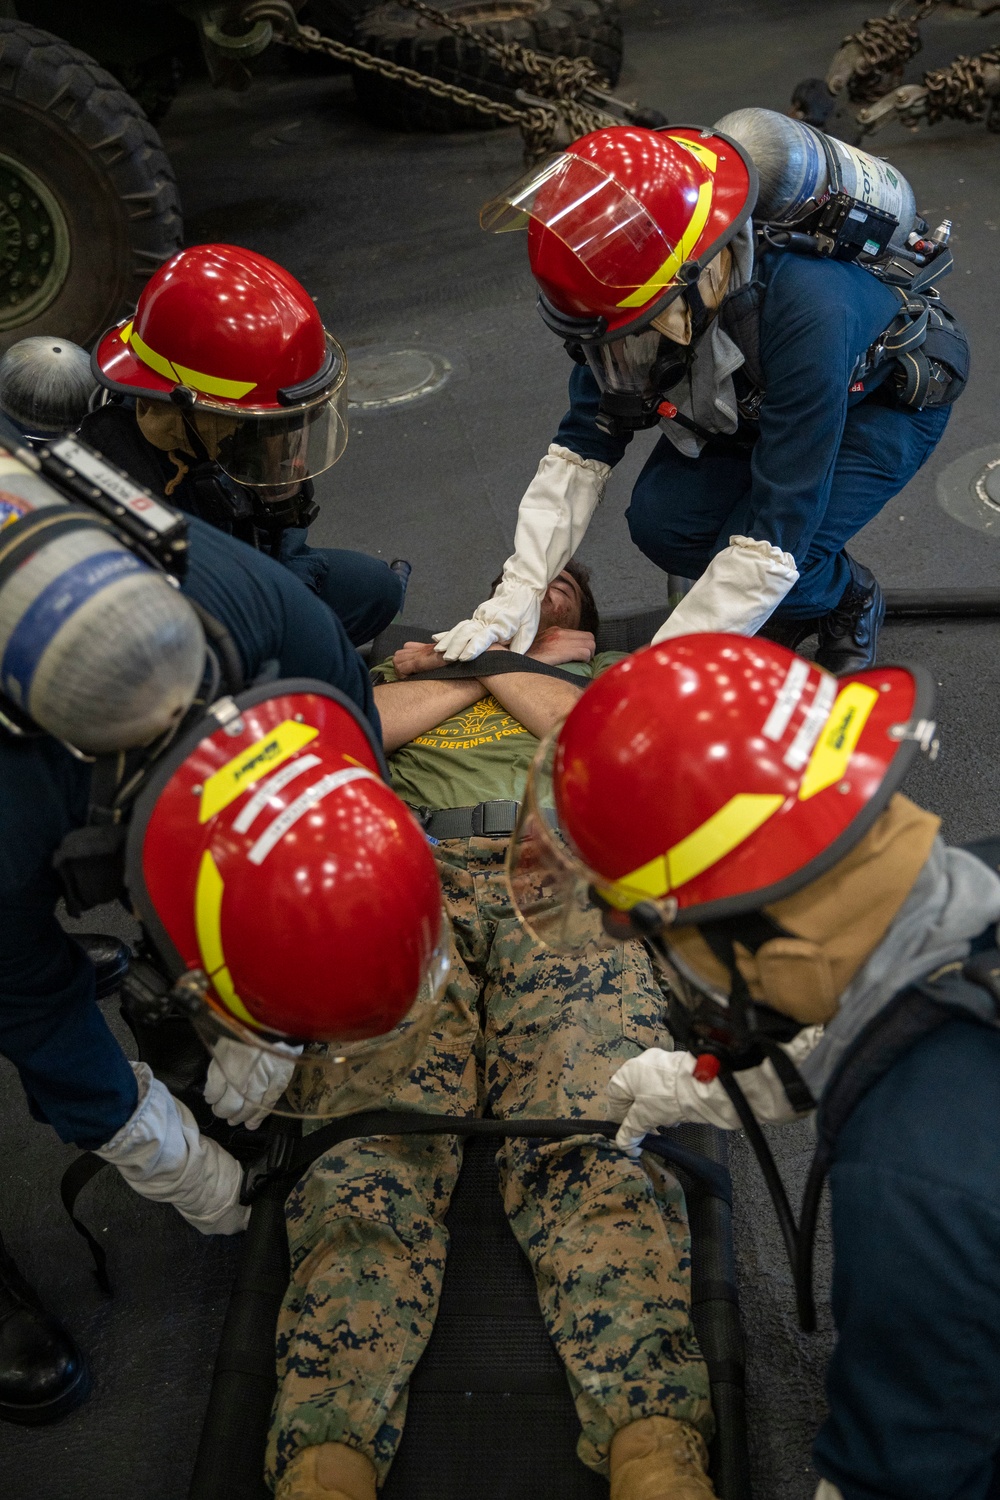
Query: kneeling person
[(520, 1034)]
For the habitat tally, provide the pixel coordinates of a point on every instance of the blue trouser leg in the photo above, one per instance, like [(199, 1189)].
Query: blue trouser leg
[(75, 1074), (271, 615), (881, 450), (53, 1031), (684, 510), (363, 591), (681, 506), (914, 1382)]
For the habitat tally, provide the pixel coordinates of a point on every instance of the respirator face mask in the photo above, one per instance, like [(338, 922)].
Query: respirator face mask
[(635, 374)]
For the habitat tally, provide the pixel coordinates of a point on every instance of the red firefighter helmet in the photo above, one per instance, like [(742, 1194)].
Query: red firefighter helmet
[(269, 854), (227, 333), (710, 775), (621, 221)]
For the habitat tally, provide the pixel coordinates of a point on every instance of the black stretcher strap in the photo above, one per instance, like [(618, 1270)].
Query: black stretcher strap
[(288, 1158), (495, 664), (74, 1180)]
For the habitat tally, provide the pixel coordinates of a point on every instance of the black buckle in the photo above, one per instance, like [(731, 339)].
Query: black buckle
[(494, 819), (275, 1162)]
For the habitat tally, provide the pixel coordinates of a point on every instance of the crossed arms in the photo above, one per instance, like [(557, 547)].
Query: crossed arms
[(411, 708)]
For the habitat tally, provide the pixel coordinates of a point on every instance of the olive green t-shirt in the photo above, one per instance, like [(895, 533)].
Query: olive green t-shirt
[(478, 755)]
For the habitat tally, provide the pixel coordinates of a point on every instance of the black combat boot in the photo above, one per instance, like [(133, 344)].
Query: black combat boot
[(789, 633), (848, 635), (43, 1375)]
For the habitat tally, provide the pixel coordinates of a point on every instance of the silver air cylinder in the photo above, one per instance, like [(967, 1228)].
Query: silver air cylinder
[(46, 385), (96, 647), (792, 167)]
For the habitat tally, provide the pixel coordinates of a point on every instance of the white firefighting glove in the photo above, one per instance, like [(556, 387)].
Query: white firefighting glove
[(552, 518), (738, 591), (658, 1088), (163, 1155), (827, 1491), (245, 1083)]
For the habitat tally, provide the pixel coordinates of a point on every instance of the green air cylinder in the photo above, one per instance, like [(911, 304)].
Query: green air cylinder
[(97, 647), (792, 166)]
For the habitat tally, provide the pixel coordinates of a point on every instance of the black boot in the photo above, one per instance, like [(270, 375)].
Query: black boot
[(848, 635), (789, 633), (42, 1373)]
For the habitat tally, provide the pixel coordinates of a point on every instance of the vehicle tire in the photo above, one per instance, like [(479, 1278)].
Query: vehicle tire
[(568, 28), (88, 201), (336, 18)]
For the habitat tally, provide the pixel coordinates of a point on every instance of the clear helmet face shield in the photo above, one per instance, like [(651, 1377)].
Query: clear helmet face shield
[(279, 448), (558, 899), (612, 234), (566, 906), (316, 1080)]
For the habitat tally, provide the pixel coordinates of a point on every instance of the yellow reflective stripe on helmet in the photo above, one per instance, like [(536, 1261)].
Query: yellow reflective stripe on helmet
[(153, 360), (838, 739), (704, 153), (209, 385), (651, 879), (681, 253), (244, 770), (724, 831), (720, 834), (125, 333), (208, 926)]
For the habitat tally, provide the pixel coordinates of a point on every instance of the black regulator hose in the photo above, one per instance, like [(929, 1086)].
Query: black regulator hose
[(922, 604), (799, 1254)]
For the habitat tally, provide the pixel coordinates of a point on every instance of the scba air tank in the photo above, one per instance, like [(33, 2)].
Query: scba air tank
[(791, 162), (96, 647)]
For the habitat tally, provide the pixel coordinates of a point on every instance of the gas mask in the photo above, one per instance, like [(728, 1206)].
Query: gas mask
[(636, 373)]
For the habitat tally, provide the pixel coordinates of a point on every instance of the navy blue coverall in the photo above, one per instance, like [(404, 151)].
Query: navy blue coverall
[(73, 1070), (363, 591), (828, 456), (914, 1382)]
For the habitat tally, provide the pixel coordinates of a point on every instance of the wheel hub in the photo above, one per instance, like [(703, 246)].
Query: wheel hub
[(34, 245)]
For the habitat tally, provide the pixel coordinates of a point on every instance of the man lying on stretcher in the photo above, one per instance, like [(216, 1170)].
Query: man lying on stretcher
[(520, 1032)]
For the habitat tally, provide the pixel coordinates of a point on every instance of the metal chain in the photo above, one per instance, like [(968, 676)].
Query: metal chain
[(887, 44), (961, 91), (542, 124), (565, 77)]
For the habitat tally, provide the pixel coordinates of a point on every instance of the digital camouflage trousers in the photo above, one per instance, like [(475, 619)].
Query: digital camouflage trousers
[(520, 1031)]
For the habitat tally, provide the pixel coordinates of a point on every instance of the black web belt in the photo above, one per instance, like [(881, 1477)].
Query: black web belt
[(488, 820)]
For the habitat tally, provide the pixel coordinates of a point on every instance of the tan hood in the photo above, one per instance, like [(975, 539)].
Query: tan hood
[(837, 921), (164, 427), (713, 283)]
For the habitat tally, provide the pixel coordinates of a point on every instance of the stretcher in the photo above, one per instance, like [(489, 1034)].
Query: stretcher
[(490, 1412)]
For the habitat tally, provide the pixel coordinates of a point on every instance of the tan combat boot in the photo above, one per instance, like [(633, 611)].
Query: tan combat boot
[(658, 1458), (328, 1471)]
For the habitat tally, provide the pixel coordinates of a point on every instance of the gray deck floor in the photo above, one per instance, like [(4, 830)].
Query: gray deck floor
[(382, 228)]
